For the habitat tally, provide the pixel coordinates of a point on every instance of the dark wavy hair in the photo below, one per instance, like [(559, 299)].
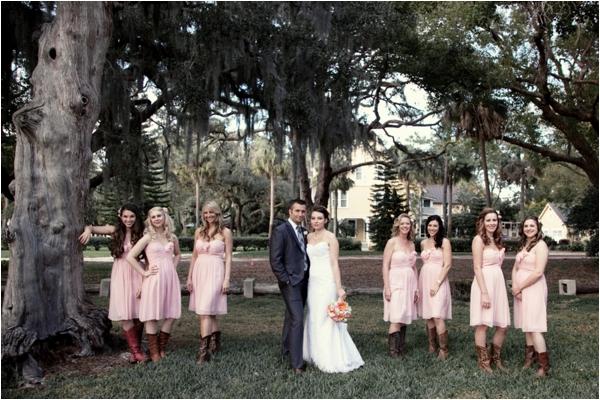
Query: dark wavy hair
[(118, 238), (322, 210), (480, 226), (523, 243), (439, 237)]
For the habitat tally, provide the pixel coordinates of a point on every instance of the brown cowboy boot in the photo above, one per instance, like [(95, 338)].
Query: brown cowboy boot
[(137, 356), (431, 336), (393, 344), (163, 339), (203, 354), (529, 355), (496, 360), (443, 339), (214, 344), (153, 346), (483, 359), (544, 361), (401, 343)]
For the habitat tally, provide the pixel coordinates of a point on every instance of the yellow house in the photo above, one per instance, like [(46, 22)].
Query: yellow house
[(554, 222), (354, 205)]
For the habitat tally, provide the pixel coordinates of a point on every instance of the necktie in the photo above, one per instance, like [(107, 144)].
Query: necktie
[(300, 234)]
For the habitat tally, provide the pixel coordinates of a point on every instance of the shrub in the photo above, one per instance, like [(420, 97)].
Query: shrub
[(349, 244), (592, 246), (186, 243), (550, 242), (562, 242), (250, 243), (98, 241), (577, 246), (461, 245)]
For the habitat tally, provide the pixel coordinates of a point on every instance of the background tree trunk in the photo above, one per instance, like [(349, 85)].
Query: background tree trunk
[(484, 167), (44, 295)]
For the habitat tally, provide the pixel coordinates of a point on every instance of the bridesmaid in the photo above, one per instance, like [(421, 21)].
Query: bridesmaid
[(531, 293), (161, 290), (435, 304), (125, 282), (208, 277), (400, 287), (489, 301)]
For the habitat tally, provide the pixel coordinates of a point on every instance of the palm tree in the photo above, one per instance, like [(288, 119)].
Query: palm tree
[(480, 122), (265, 161)]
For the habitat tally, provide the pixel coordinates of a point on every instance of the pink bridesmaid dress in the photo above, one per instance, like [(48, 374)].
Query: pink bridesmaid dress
[(530, 311), (440, 305), (124, 284), (207, 278), (498, 314), (161, 293), (403, 284)]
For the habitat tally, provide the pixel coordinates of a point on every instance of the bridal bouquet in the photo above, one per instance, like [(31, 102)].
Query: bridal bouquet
[(339, 311)]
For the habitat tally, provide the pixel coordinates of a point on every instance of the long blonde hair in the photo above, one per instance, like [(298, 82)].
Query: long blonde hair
[(205, 230), (396, 226), (168, 224)]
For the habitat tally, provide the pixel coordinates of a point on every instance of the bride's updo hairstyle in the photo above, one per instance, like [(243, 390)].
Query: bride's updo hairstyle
[(322, 210)]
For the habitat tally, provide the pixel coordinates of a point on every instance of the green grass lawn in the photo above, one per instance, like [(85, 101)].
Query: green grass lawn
[(250, 366)]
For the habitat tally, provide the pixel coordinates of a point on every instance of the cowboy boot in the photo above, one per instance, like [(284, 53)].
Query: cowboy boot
[(139, 329), (443, 339), (393, 344), (529, 355), (431, 337), (401, 341), (163, 339), (203, 354), (496, 360), (483, 359), (214, 345), (544, 361), (153, 346), (137, 356)]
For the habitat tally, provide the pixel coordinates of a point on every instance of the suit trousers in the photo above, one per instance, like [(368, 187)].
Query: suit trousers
[(293, 324)]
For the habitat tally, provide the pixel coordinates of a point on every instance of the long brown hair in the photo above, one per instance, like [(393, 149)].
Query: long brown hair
[(523, 242), (396, 226), (205, 231), (480, 226), (117, 243)]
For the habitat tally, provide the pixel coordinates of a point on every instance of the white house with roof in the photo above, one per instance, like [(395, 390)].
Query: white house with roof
[(554, 222)]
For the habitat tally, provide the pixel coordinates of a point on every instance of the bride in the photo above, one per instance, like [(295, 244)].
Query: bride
[(327, 344)]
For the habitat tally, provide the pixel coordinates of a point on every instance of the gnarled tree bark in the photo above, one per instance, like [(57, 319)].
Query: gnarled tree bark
[(45, 297)]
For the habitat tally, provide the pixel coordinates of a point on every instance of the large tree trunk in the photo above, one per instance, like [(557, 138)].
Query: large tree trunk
[(445, 195), (324, 178), (484, 166), (450, 194), (44, 296), (271, 201), (301, 170)]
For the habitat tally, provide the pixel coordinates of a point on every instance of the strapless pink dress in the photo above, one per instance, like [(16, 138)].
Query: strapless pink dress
[(161, 293), (207, 277), (403, 284), (498, 314), (440, 305), (530, 311), (124, 284)]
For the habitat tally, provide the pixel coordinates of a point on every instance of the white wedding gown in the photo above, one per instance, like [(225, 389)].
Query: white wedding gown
[(327, 344)]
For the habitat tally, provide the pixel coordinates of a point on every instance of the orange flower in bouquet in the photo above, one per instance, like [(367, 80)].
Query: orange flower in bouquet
[(339, 311)]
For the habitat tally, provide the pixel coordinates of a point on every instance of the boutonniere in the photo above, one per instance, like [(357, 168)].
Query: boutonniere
[(304, 232)]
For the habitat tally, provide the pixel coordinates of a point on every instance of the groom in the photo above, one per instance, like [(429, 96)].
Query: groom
[(289, 262)]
